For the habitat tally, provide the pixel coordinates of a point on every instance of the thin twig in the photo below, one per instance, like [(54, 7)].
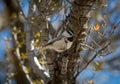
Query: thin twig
[(18, 3), (96, 54), (31, 54), (114, 28)]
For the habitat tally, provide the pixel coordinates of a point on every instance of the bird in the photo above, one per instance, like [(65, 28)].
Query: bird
[(68, 33), (61, 43)]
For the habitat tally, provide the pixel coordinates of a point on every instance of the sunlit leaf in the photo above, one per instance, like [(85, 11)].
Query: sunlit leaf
[(41, 59), (37, 35), (96, 69), (98, 66), (37, 40), (20, 44), (23, 55), (96, 27), (22, 33)]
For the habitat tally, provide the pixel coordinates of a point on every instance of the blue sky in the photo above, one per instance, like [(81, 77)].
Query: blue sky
[(3, 35)]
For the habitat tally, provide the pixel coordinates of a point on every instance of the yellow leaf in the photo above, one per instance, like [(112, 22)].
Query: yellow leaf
[(96, 27), (99, 64), (23, 55), (20, 44), (22, 34), (41, 59), (96, 69), (37, 35), (36, 41)]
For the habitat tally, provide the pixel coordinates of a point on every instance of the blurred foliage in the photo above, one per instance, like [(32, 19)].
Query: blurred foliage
[(31, 27)]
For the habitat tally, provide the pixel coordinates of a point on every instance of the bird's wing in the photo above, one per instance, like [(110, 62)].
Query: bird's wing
[(52, 41)]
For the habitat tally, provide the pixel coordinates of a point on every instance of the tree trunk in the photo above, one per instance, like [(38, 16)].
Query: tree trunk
[(77, 19)]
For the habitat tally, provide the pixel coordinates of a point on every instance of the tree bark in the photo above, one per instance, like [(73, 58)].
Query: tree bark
[(77, 19)]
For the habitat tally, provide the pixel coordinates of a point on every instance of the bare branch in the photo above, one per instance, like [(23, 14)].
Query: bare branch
[(30, 54), (96, 54)]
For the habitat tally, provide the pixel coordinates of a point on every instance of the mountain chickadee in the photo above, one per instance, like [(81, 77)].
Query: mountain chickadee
[(61, 43)]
